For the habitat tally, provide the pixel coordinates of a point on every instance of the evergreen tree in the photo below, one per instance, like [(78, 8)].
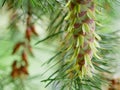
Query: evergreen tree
[(77, 31)]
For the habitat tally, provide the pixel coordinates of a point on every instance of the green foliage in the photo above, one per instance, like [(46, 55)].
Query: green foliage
[(61, 31)]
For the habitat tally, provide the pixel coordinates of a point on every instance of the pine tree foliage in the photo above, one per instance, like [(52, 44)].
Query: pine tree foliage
[(79, 29)]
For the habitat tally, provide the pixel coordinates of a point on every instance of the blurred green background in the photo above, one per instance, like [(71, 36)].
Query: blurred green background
[(42, 53)]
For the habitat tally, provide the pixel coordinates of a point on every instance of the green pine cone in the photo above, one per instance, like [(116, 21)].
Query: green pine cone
[(81, 38)]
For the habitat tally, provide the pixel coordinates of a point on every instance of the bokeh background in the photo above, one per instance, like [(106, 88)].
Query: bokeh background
[(38, 70)]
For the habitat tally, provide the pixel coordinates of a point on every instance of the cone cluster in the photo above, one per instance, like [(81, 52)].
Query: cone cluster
[(21, 68), (81, 39)]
